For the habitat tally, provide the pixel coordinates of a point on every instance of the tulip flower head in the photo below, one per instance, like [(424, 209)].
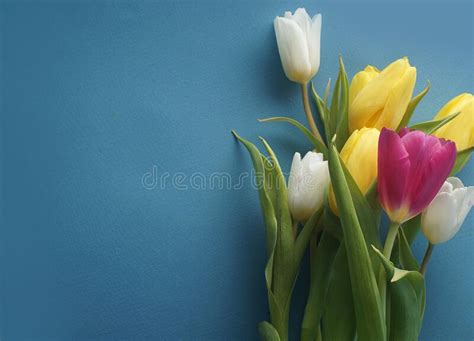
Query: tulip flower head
[(359, 154), (461, 128), (298, 38), (308, 181), (443, 218), (412, 167), (379, 99)]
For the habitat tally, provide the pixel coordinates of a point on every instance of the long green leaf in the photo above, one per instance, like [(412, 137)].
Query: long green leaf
[(265, 201), (322, 108), (369, 216), (366, 214), (284, 270), (334, 110), (331, 222), (412, 106), (304, 236), (369, 316), (318, 145), (278, 311), (339, 317), (322, 260), (407, 290), (430, 127), (342, 131)]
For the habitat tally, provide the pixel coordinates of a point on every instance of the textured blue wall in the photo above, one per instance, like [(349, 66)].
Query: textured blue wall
[(95, 95)]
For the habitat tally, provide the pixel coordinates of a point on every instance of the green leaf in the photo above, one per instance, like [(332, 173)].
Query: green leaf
[(369, 217), (405, 254), (406, 307), (371, 196), (407, 300), (412, 106), (461, 159), (430, 127), (411, 228), (366, 214), (323, 110), (277, 306), (318, 145), (284, 270), (339, 321), (331, 222), (304, 236), (265, 201), (369, 316), (334, 110), (268, 332), (322, 260), (342, 131)]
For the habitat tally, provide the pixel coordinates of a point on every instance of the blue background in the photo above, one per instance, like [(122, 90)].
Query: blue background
[(96, 95)]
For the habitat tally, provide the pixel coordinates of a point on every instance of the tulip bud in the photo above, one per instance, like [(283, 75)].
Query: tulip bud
[(379, 99), (461, 128), (441, 220), (412, 167), (298, 38), (308, 181), (359, 154)]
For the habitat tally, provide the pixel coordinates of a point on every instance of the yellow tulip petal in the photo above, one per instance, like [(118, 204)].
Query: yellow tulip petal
[(359, 154), (460, 129), (371, 99), (397, 101), (360, 80)]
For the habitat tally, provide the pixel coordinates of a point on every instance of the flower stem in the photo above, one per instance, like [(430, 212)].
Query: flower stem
[(387, 251), (426, 258), (391, 235), (309, 115)]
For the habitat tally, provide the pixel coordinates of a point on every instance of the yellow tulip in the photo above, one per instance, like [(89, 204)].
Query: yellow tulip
[(379, 99), (460, 129), (359, 154)]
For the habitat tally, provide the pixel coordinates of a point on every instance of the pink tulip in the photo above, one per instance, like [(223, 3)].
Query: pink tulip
[(412, 167)]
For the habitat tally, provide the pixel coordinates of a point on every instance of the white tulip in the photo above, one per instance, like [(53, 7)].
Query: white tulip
[(298, 38), (441, 220), (308, 181)]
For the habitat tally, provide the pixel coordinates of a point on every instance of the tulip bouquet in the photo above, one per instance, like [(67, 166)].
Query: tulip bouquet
[(369, 160)]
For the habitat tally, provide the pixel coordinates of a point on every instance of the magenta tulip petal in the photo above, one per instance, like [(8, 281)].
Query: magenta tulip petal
[(393, 168), (435, 173), (412, 168)]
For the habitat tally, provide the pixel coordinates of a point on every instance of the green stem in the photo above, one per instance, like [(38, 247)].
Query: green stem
[(387, 251), (391, 235), (309, 115), (426, 258)]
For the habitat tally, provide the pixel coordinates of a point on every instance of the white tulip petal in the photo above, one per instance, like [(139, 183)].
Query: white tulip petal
[(444, 216), (307, 183), (439, 220), (465, 200), (314, 43), (446, 188), (291, 34), (303, 20), (455, 182)]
